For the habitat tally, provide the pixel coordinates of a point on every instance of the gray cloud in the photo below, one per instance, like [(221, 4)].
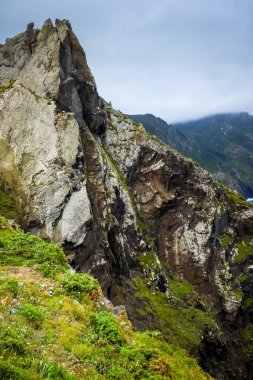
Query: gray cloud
[(176, 59)]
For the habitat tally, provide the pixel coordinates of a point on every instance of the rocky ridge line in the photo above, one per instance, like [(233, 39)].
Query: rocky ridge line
[(87, 177)]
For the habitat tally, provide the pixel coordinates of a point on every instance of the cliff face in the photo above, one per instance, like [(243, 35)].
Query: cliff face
[(138, 216), (225, 148), (222, 144)]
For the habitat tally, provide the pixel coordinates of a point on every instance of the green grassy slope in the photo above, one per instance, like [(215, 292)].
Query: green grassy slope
[(55, 325)]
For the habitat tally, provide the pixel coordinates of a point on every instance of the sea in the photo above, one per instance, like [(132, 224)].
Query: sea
[(250, 200)]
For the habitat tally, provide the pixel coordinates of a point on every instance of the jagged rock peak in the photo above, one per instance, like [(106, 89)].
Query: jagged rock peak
[(51, 120), (121, 203), (51, 63)]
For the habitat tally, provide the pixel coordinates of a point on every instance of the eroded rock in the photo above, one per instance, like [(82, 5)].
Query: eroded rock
[(87, 177)]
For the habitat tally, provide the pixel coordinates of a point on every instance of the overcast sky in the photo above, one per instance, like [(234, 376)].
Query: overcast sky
[(177, 59)]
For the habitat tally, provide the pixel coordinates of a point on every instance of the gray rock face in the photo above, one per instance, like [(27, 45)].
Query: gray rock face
[(49, 108), (87, 177)]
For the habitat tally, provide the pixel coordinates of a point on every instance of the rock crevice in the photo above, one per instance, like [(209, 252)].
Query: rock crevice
[(124, 206)]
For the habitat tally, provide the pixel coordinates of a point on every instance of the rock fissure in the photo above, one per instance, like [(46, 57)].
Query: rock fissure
[(150, 225)]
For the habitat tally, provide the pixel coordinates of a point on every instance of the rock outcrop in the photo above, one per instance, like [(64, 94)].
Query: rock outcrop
[(222, 144), (124, 206)]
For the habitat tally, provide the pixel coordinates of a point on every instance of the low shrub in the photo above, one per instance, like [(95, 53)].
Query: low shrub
[(77, 285), (10, 371), (32, 314), (107, 327)]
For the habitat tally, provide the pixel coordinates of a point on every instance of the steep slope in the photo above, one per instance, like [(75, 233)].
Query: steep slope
[(55, 324), (165, 132), (155, 230), (222, 144), (225, 144)]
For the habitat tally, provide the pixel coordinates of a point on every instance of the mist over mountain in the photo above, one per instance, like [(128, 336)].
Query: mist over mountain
[(119, 257)]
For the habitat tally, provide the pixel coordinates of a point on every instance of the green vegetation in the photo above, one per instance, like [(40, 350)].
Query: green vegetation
[(125, 186), (242, 278), (107, 327), (156, 129), (32, 314), (37, 97), (136, 124), (223, 149), (3, 89), (54, 325), (121, 177), (156, 139), (10, 203), (76, 284), (245, 248), (181, 288), (179, 311), (248, 302), (24, 249), (7, 206), (179, 318), (5, 227), (238, 293), (148, 260), (234, 197), (247, 335), (226, 240)]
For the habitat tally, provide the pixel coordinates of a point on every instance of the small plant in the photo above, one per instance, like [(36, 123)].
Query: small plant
[(8, 285), (32, 314), (107, 327), (3, 89), (11, 340), (156, 139), (149, 260), (4, 225), (56, 372), (77, 284), (245, 248), (9, 371), (247, 333), (181, 288), (234, 197), (226, 240), (7, 206)]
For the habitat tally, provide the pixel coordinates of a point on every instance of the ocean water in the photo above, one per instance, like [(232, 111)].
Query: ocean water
[(250, 200)]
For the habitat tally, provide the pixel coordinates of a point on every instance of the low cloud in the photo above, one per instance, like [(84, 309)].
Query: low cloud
[(178, 60)]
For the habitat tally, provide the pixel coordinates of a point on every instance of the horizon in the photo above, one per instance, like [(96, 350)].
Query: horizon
[(192, 120), (179, 60)]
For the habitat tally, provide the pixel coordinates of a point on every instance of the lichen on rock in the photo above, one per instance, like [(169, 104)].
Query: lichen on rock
[(116, 198)]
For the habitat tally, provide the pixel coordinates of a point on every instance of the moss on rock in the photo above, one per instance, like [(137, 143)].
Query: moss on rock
[(177, 312), (244, 248), (56, 326)]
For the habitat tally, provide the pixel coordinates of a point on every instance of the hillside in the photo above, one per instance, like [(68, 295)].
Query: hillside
[(222, 144), (153, 228), (158, 127), (55, 324), (225, 146)]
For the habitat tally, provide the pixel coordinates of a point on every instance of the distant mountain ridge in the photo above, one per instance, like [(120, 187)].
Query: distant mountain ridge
[(171, 248), (158, 127), (222, 144)]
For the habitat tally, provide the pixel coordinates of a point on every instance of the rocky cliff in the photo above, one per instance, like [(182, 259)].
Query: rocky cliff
[(221, 144), (224, 147), (153, 227)]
